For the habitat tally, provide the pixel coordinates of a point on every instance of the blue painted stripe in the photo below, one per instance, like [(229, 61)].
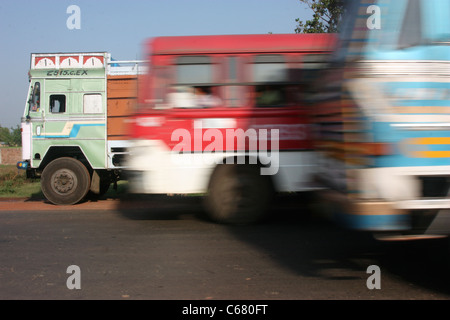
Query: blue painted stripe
[(438, 147), (383, 132), (73, 133), (374, 222), (423, 103)]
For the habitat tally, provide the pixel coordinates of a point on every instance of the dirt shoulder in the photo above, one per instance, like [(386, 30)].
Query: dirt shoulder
[(127, 203), (25, 204)]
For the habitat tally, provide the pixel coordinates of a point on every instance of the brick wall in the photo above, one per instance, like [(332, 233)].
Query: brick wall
[(10, 155)]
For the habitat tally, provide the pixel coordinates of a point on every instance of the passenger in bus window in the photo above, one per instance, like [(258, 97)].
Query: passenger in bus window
[(269, 95), (205, 99), (182, 97)]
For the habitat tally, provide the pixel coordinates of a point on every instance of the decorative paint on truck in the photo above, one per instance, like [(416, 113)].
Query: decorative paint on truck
[(383, 120), (74, 122)]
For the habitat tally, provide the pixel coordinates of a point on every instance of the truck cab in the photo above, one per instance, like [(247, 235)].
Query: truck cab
[(74, 122), (383, 119)]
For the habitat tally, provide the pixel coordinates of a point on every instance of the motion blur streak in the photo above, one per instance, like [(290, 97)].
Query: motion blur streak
[(388, 84)]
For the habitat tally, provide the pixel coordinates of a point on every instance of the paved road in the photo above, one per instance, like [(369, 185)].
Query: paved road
[(160, 249)]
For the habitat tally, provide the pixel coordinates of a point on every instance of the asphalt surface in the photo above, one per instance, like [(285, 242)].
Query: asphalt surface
[(160, 249)]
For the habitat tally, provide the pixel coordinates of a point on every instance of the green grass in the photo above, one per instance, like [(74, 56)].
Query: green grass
[(14, 184)]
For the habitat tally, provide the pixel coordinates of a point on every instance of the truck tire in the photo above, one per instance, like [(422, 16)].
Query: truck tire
[(65, 181), (238, 194)]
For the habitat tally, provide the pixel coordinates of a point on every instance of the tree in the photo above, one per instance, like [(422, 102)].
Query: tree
[(11, 137), (326, 16)]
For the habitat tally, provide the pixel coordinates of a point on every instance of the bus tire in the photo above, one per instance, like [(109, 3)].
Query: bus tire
[(65, 181), (238, 194)]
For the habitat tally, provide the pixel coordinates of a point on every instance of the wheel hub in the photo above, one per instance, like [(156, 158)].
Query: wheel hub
[(63, 181)]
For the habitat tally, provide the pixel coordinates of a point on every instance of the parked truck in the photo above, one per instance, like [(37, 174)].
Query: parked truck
[(74, 135)]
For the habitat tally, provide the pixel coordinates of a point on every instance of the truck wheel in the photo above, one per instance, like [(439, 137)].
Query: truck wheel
[(65, 181), (238, 194)]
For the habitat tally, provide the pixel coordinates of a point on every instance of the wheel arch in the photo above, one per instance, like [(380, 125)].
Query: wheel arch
[(249, 160), (56, 152)]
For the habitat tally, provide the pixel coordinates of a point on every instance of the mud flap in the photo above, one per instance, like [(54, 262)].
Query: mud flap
[(95, 183)]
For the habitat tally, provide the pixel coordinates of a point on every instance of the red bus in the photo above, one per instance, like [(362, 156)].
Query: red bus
[(225, 116)]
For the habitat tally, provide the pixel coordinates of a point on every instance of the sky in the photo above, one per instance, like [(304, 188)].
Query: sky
[(119, 27)]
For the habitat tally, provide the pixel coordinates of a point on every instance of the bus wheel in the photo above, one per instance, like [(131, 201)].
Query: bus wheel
[(65, 181), (238, 194)]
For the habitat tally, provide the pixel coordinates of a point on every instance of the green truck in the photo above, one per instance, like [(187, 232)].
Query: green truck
[(74, 126)]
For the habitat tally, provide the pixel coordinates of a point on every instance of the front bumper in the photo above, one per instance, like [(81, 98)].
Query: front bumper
[(365, 215), (389, 220)]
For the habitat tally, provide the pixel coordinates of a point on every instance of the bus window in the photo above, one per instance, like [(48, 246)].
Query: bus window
[(270, 77), (269, 69), (193, 86), (194, 70), (312, 65)]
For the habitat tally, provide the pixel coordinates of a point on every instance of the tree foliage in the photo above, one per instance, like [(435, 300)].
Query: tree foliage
[(11, 137), (326, 16)]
